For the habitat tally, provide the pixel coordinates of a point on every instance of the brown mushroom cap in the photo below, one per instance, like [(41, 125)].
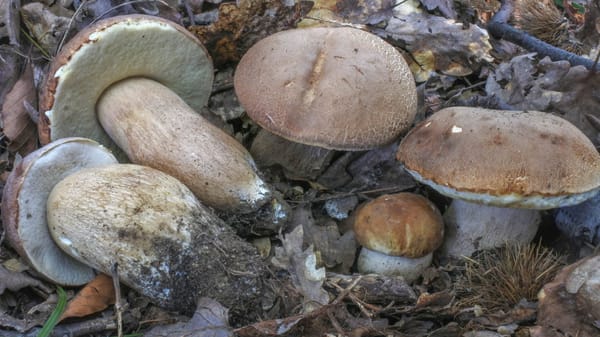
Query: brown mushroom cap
[(337, 88), (111, 50), (526, 159), (401, 224), (24, 205)]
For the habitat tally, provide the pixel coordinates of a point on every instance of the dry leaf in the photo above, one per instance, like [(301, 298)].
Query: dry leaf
[(14, 281), (96, 296), (444, 6), (439, 45), (18, 126), (560, 308), (333, 249), (209, 320), (242, 24), (527, 84), (301, 264)]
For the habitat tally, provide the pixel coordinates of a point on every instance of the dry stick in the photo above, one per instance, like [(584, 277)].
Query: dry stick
[(499, 28), (118, 304)]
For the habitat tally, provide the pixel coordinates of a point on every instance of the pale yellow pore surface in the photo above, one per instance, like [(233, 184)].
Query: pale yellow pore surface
[(155, 128), (134, 46)]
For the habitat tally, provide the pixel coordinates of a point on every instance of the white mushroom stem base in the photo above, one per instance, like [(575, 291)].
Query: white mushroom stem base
[(372, 262), (167, 245), (471, 227), (156, 128)]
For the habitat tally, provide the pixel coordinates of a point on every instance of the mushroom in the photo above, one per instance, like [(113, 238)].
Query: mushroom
[(166, 244), (134, 83), (492, 160), (332, 88), (70, 208), (24, 205), (398, 233)]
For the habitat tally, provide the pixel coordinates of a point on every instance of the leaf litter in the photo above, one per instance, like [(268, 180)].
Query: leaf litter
[(454, 60)]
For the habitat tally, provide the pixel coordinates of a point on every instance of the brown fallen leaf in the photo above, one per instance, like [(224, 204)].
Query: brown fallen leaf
[(96, 296), (18, 126)]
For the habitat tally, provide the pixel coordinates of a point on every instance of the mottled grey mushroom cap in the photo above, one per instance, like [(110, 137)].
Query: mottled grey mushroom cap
[(336, 88), (520, 159), (24, 205)]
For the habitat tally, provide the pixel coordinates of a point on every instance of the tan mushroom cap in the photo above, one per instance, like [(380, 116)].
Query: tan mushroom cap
[(525, 159), (401, 224), (336, 88), (112, 50)]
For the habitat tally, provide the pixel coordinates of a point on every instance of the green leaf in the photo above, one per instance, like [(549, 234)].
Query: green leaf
[(53, 319)]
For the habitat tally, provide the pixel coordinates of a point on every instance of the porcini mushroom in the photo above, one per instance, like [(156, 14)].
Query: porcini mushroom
[(398, 233), (24, 205), (527, 160), (167, 245), (65, 218), (134, 84), (333, 88)]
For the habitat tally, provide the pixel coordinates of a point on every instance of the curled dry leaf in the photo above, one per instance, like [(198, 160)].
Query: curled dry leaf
[(9, 31), (333, 249), (525, 83), (18, 126), (46, 24), (96, 296), (301, 264), (440, 45)]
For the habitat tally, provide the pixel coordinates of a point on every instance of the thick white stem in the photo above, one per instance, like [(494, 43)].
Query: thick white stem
[(156, 128), (471, 227)]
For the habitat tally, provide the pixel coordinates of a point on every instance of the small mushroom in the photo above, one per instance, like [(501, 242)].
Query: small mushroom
[(332, 88), (134, 83), (24, 205), (398, 233), (527, 160)]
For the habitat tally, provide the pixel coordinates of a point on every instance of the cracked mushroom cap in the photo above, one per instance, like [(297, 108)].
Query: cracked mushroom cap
[(401, 224), (112, 50), (336, 88), (526, 159), (24, 205)]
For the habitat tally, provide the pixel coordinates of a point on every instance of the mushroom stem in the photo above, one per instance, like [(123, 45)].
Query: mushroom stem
[(168, 246), (156, 128), (471, 227)]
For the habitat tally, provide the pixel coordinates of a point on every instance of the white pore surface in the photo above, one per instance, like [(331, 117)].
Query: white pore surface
[(471, 227), (132, 48), (59, 160), (509, 200), (372, 262)]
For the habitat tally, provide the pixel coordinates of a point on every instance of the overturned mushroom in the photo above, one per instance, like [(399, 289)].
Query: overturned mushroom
[(24, 205), (138, 81), (527, 160), (331, 88), (167, 245), (69, 207)]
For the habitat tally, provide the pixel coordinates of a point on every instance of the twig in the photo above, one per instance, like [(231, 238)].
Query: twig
[(499, 28), (118, 303)]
